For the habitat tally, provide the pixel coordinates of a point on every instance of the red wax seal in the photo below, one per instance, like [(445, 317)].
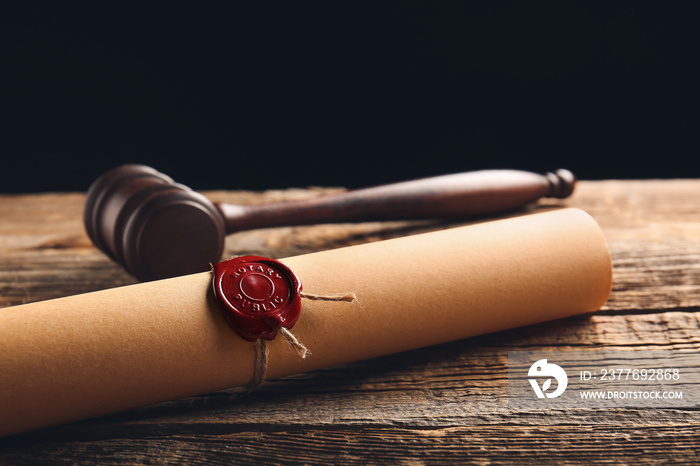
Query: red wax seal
[(257, 295)]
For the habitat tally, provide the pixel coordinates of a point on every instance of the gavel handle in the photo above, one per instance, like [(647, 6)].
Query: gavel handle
[(459, 195)]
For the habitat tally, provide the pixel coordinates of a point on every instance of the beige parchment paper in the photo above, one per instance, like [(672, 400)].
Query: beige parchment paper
[(83, 356)]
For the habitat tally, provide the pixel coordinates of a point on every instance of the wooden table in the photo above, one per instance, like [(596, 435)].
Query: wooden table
[(435, 405)]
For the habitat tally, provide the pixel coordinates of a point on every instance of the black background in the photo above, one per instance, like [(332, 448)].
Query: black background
[(280, 94)]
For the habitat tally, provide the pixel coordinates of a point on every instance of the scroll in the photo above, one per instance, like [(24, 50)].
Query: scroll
[(82, 356)]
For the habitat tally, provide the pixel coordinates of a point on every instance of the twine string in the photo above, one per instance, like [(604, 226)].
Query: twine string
[(260, 369), (262, 351), (347, 297), (294, 342)]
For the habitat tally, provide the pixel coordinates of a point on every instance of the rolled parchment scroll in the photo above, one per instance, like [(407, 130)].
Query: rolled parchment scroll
[(83, 356)]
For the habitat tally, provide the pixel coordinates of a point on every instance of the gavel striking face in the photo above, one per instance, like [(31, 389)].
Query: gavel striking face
[(156, 228), (150, 225)]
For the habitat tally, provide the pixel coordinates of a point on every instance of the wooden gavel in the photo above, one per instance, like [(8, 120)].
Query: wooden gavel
[(156, 228)]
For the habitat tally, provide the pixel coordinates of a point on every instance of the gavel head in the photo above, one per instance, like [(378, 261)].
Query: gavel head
[(152, 226)]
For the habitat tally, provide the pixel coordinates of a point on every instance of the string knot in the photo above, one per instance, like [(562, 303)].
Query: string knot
[(262, 350)]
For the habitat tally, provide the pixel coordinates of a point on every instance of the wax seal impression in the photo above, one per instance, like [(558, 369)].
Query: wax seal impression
[(257, 295)]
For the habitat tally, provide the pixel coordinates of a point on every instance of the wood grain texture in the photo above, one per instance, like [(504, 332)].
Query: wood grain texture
[(437, 405)]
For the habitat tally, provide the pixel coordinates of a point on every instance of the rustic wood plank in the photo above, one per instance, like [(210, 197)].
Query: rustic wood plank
[(429, 406), (568, 444)]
